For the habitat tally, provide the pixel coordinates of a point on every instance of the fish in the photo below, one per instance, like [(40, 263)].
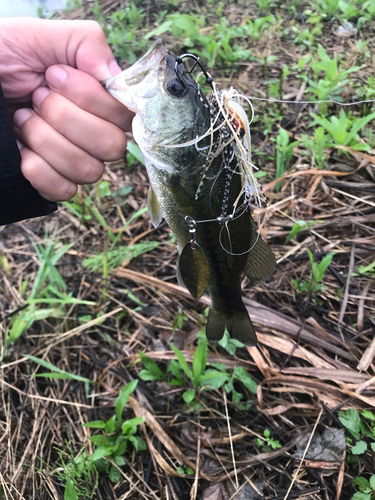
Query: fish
[(196, 152)]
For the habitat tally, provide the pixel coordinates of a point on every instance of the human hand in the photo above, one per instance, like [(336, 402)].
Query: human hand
[(75, 125)]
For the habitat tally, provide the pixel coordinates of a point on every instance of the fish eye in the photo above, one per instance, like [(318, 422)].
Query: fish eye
[(175, 87)]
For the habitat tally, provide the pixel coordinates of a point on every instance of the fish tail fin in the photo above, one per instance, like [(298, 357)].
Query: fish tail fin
[(215, 327), (238, 324), (240, 327)]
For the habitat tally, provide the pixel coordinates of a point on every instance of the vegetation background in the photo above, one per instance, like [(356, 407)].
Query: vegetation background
[(108, 388)]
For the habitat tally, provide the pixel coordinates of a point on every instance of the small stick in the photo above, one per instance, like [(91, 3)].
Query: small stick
[(230, 438), (303, 456)]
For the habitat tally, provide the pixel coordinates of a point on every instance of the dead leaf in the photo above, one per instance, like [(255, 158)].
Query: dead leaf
[(328, 446)]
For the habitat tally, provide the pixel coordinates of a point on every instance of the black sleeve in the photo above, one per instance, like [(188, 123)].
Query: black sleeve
[(18, 199)]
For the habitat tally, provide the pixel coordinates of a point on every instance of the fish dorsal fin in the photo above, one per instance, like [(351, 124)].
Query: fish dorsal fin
[(156, 213), (227, 244), (194, 270), (261, 262)]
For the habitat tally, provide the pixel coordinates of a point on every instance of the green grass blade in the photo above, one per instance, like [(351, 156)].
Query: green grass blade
[(56, 370)]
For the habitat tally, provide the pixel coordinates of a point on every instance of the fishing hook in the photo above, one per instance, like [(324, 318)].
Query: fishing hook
[(179, 60)]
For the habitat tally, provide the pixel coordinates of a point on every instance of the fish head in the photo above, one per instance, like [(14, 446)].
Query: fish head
[(169, 106)]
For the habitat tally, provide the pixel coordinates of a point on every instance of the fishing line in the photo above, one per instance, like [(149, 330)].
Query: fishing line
[(305, 102)]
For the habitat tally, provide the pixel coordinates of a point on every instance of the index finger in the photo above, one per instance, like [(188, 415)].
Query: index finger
[(87, 93)]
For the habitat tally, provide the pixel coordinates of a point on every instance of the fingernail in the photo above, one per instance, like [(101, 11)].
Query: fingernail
[(114, 68), (39, 95), (21, 115), (56, 76), (19, 144)]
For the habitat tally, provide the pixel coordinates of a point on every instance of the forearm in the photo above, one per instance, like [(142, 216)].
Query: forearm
[(18, 199)]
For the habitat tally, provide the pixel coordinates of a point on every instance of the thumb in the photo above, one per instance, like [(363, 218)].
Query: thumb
[(43, 43), (90, 50)]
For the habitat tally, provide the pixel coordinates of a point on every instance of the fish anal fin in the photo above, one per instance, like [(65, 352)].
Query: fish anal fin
[(261, 262), (156, 213), (194, 270)]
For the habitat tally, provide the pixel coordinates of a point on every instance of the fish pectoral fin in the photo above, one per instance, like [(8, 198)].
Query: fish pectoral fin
[(194, 270), (238, 324), (261, 262), (181, 197), (156, 213)]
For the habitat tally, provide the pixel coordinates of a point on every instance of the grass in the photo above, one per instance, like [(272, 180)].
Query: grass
[(108, 386)]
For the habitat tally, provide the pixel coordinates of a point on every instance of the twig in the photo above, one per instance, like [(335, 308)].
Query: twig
[(303, 456), (230, 438)]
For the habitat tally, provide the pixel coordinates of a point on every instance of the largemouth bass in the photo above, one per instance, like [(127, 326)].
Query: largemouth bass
[(198, 184)]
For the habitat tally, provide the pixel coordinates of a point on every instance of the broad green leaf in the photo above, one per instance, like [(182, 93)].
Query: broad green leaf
[(26, 318), (130, 426), (103, 451), (199, 361), (163, 28), (182, 361), (352, 421), (95, 424), (219, 366), (322, 267), (111, 426), (148, 376), (98, 439), (120, 461), (229, 344), (358, 125), (364, 270), (188, 395), (138, 443), (70, 492), (372, 482), (299, 226), (362, 484), (240, 373), (368, 414), (260, 173), (123, 398), (114, 474), (361, 496), (175, 369), (151, 366), (214, 379), (135, 151), (359, 448)]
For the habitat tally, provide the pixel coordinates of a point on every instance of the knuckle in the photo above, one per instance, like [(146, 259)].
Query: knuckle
[(65, 192), (39, 142), (55, 108), (95, 28), (114, 146), (90, 171), (30, 168)]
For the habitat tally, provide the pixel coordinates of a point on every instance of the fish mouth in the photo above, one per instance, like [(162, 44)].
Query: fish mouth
[(140, 80)]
